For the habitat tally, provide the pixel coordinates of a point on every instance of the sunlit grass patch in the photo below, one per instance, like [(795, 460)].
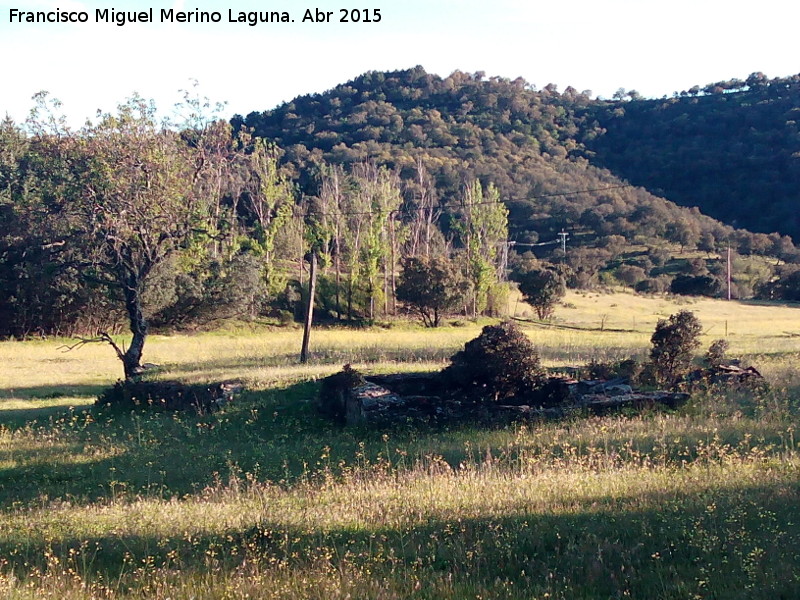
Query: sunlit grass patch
[(264, 498)]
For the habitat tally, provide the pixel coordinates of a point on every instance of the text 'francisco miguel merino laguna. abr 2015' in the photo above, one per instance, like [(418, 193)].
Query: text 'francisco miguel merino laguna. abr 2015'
[(170, 15)]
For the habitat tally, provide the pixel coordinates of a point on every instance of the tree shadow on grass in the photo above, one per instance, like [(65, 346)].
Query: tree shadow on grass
[(277, 436), (44, 402), (733, 543), (50, 392)]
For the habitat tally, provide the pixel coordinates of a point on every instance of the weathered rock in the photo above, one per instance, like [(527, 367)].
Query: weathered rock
[(601, 386), (730, 375), (371, 402)]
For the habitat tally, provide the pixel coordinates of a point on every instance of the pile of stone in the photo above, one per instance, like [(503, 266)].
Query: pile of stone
[(353, 399)]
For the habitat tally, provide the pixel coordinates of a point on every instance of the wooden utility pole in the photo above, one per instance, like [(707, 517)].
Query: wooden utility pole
[(729, 271), (312, 283)]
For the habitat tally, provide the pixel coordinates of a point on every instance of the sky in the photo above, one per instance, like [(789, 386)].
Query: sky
[(654, 47)]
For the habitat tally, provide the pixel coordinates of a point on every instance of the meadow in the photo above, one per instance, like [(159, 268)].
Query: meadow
[(265, 499)]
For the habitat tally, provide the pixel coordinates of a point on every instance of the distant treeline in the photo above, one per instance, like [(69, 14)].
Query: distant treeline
[(386, 181)]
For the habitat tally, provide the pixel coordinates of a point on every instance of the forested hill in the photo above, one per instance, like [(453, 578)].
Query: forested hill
[(731, 148), (541, 147)]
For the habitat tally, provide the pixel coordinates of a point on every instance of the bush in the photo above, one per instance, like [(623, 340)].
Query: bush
[(674, 342), (716, 353), (657, 285), (696, 285), (499, 364), (629, 368), (210, 290)]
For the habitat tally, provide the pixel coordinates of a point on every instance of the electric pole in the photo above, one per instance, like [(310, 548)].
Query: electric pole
[(563, 235)]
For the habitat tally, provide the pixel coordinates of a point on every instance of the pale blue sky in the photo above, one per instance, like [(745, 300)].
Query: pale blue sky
[(653, 47)]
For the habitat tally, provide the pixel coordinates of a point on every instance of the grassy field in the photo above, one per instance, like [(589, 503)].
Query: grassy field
[(266, 500)]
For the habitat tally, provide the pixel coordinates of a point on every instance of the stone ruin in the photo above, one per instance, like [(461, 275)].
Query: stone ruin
[(354, 399), (497, 378)]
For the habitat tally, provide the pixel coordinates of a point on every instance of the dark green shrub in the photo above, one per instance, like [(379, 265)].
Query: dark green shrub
[(501, 363), (629, 368), (290, 301), (696, 285), (208, 291), (656, 285), (674, 343)]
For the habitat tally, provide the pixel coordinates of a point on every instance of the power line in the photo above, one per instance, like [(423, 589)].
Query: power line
[(443, 206)]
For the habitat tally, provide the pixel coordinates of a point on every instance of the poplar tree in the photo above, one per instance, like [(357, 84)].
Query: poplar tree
[(483, 227), (270, 200)]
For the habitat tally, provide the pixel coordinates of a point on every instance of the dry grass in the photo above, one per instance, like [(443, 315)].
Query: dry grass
[(266, 500)]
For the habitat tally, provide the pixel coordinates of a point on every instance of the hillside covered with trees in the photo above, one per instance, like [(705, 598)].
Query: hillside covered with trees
[(562, 160), (731, 148)]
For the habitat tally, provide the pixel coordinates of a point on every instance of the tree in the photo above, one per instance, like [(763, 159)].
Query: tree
[(684, 232), (144, 197), (38, 293), (674, 342), (270, 201), (586, 263), (143, 192), (423, 233), (379, 192), (785, 287), (430, 286), (483, 226), (631, 275), (542, 288), (332, 204)]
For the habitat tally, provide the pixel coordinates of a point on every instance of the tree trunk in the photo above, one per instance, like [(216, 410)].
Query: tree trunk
[(338, 278), (132, 358), (350, 296), (393, 239)]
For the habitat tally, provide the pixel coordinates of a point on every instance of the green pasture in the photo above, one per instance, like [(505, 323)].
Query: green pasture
[(264, 499)]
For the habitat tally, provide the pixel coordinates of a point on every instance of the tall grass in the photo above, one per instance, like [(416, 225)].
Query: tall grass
[(266, 500)]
